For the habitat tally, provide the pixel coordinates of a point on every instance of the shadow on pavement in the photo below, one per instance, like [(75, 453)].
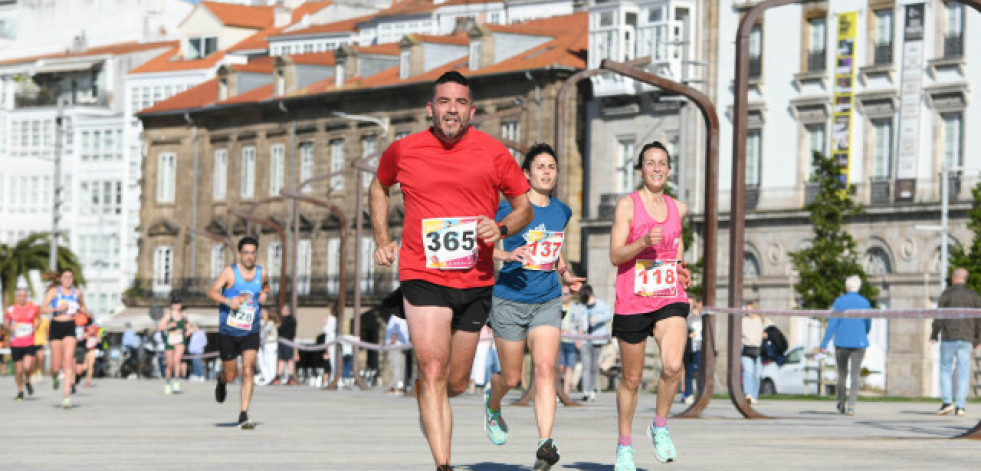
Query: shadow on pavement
[(486, 466), (235, 424), (586, 466)]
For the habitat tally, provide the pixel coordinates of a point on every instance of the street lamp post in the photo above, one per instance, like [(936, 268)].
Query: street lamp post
[(943, 228), (56, 183)]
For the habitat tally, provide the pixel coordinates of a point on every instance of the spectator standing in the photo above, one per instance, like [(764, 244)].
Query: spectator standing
[(596, 314), (751, 361), (131, 341), (851, 339), (268, 337), (693, 357), (397, 333), (286, 353), (958, 337), (196, 346), (572, 325)]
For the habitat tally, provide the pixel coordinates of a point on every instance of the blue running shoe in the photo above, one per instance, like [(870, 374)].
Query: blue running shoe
[(663, 447), (494, 425)]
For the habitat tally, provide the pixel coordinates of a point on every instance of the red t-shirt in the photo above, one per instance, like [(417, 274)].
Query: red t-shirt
[(22, 322), (460, 181)]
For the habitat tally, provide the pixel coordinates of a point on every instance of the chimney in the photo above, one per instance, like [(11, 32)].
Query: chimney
[(348, 65), (410, 57), (227, 86), (481, 47), (284, 76)]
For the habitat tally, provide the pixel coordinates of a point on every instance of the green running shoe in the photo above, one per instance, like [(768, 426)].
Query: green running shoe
[(625, 459), (663, 447), (494, 425)]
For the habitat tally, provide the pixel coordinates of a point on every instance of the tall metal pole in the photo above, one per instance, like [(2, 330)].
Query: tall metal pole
[(56, 206), (944, 209)]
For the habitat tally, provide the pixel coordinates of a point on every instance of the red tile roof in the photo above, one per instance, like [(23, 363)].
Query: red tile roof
[(386, 49), (171, 60), (108, 49), (308, 8), (467, 2), (259, 65), (460, 39), (258, 41), (242, 15), (195, 97), (342, 26), (407, 7), (262, 93), (314, 58)]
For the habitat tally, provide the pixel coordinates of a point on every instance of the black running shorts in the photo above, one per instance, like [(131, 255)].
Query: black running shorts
[(18, 353), (230, 347), (635, 328), (470, 305), (61, 329)]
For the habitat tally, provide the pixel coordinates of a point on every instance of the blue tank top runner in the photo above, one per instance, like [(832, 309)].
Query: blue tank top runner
[(246, 319), (71, 299)]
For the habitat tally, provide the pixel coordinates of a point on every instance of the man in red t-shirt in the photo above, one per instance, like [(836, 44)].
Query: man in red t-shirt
[(451, 176), (21, 320)]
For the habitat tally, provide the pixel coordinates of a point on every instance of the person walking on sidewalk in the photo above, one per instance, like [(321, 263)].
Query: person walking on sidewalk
[(958, 338), (851, 339)]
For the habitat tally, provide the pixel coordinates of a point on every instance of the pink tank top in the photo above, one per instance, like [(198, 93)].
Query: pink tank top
[(627, 301)]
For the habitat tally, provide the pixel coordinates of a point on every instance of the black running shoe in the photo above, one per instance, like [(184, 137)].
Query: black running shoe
[(547, 455), (30, 389), (20, 396), (444, 467), (243, 421), (220, 392)]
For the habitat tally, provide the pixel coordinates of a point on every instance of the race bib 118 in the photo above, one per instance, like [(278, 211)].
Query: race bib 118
[(656, 278), (450, 243), (545, 247)]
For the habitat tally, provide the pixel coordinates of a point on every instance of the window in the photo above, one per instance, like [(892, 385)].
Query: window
[(217, 260), (751, 265), (219, 180), (303, 267), (201, 47), (511, 131), (274, 263), (883, 36), (954, 38), (306, 164), (367, 264), (277, 168), (475, 51), (882, 149), (401, 134), (755, 51), (953, 139), (405, 64), (818, 28), (369, 147), (816, 142), (101, 197), (166, 172), (754, 157), (162, 269), (336, 164), (247, 189), (333, 265), (625, 167), (877, 262)]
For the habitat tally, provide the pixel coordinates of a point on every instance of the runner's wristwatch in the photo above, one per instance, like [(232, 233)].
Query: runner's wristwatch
[(504, 229)]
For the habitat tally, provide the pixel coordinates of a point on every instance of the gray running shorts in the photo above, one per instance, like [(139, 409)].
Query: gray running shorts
[(511, 321)]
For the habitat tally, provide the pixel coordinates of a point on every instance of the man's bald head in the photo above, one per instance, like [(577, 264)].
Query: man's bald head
[(959, 277)]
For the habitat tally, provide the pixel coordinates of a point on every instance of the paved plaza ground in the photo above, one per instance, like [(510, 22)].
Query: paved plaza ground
[(132, 425)]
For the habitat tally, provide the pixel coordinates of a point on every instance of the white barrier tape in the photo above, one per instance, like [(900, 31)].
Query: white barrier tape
[(940, 313), (355, 341), (202, 356)]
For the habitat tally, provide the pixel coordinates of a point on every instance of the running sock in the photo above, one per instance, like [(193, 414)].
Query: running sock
[(625, 440), (660, 422)]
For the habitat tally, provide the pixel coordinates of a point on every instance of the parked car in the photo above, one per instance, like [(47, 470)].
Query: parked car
[(789, 378)]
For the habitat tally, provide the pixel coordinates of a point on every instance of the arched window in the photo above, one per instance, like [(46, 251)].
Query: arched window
[(877, 262), (751, 265)]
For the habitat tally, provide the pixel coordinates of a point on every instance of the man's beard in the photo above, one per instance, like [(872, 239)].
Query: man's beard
[(464, 124)]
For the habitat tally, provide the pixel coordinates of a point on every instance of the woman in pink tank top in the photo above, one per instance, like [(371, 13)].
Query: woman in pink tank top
[(646, 246)]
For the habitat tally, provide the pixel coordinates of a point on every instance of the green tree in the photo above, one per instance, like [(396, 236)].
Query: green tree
[(824, 265), (970, 258), (31, 253)]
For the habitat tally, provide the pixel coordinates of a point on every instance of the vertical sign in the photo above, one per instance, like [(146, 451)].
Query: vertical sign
[(841, 131), (909, 102)]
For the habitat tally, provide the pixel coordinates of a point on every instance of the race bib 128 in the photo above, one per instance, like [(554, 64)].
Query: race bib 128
[(245, 315), (450, 243)]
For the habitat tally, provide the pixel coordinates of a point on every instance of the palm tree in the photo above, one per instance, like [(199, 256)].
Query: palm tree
[(31, 253)]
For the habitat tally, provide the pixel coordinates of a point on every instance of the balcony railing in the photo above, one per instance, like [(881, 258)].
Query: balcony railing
[(755, 67), (954, 45), (310, 290), (816, 61), (883, 54)]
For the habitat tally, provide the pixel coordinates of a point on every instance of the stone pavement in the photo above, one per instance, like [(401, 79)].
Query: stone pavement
[(132, 425)]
